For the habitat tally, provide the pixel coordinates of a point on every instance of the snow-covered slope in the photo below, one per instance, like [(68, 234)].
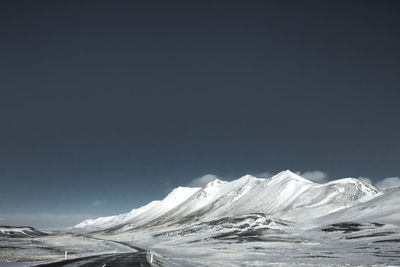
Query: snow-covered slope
[(245, 195), (19, 231), (144, 214), (322, 199), (286, 195), (109, 221), (384, 209)]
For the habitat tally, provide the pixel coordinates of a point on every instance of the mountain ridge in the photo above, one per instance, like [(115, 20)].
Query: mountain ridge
[(286, 195)]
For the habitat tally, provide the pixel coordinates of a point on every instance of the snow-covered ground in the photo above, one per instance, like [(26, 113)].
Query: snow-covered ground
[(282, 221), (52, 247), (260, 241)]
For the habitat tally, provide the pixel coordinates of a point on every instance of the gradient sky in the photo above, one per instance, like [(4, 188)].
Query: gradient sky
[(106, 105)]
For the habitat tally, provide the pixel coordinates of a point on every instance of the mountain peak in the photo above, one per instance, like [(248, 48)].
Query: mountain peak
[(247, 177), (289, 175), (362, 185), (181, 192)]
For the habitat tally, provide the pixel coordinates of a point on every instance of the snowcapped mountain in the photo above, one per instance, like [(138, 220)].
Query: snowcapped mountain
[(286, 196)]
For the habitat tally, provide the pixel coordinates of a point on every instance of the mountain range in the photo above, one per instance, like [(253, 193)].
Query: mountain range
[(286, 196)]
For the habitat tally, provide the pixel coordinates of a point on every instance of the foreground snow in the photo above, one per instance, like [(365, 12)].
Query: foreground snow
[(52, 247), (256, 240)]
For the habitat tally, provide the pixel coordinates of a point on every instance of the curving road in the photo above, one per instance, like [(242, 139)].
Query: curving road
[(107, 260), (138, 258)]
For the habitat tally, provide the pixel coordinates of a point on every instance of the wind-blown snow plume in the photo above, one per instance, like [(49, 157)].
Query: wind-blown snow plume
[(202, 180), (387, 183), (315, 176)]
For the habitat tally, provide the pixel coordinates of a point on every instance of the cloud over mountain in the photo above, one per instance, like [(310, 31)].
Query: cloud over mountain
[(202, 180), (389, 182), (315, 176)]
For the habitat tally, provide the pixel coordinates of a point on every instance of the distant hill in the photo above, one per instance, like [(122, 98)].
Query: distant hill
[(19, 231)]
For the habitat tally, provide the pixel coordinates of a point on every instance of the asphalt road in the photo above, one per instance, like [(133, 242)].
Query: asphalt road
[(138, 258), (107, 260)]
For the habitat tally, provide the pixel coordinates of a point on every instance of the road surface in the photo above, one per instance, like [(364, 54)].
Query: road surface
[(107, 260), (133, 259)]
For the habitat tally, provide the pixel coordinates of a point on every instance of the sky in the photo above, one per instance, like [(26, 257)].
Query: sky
[(107, 105)]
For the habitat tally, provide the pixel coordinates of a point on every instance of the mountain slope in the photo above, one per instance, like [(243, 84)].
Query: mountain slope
[(384, 209), (142, 214), (322, 199)]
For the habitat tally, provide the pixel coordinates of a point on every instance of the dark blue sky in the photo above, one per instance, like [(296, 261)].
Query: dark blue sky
[(105, 106)]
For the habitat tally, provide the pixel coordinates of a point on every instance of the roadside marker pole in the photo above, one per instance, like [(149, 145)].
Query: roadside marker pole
[(151, 257), (65, 255)]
